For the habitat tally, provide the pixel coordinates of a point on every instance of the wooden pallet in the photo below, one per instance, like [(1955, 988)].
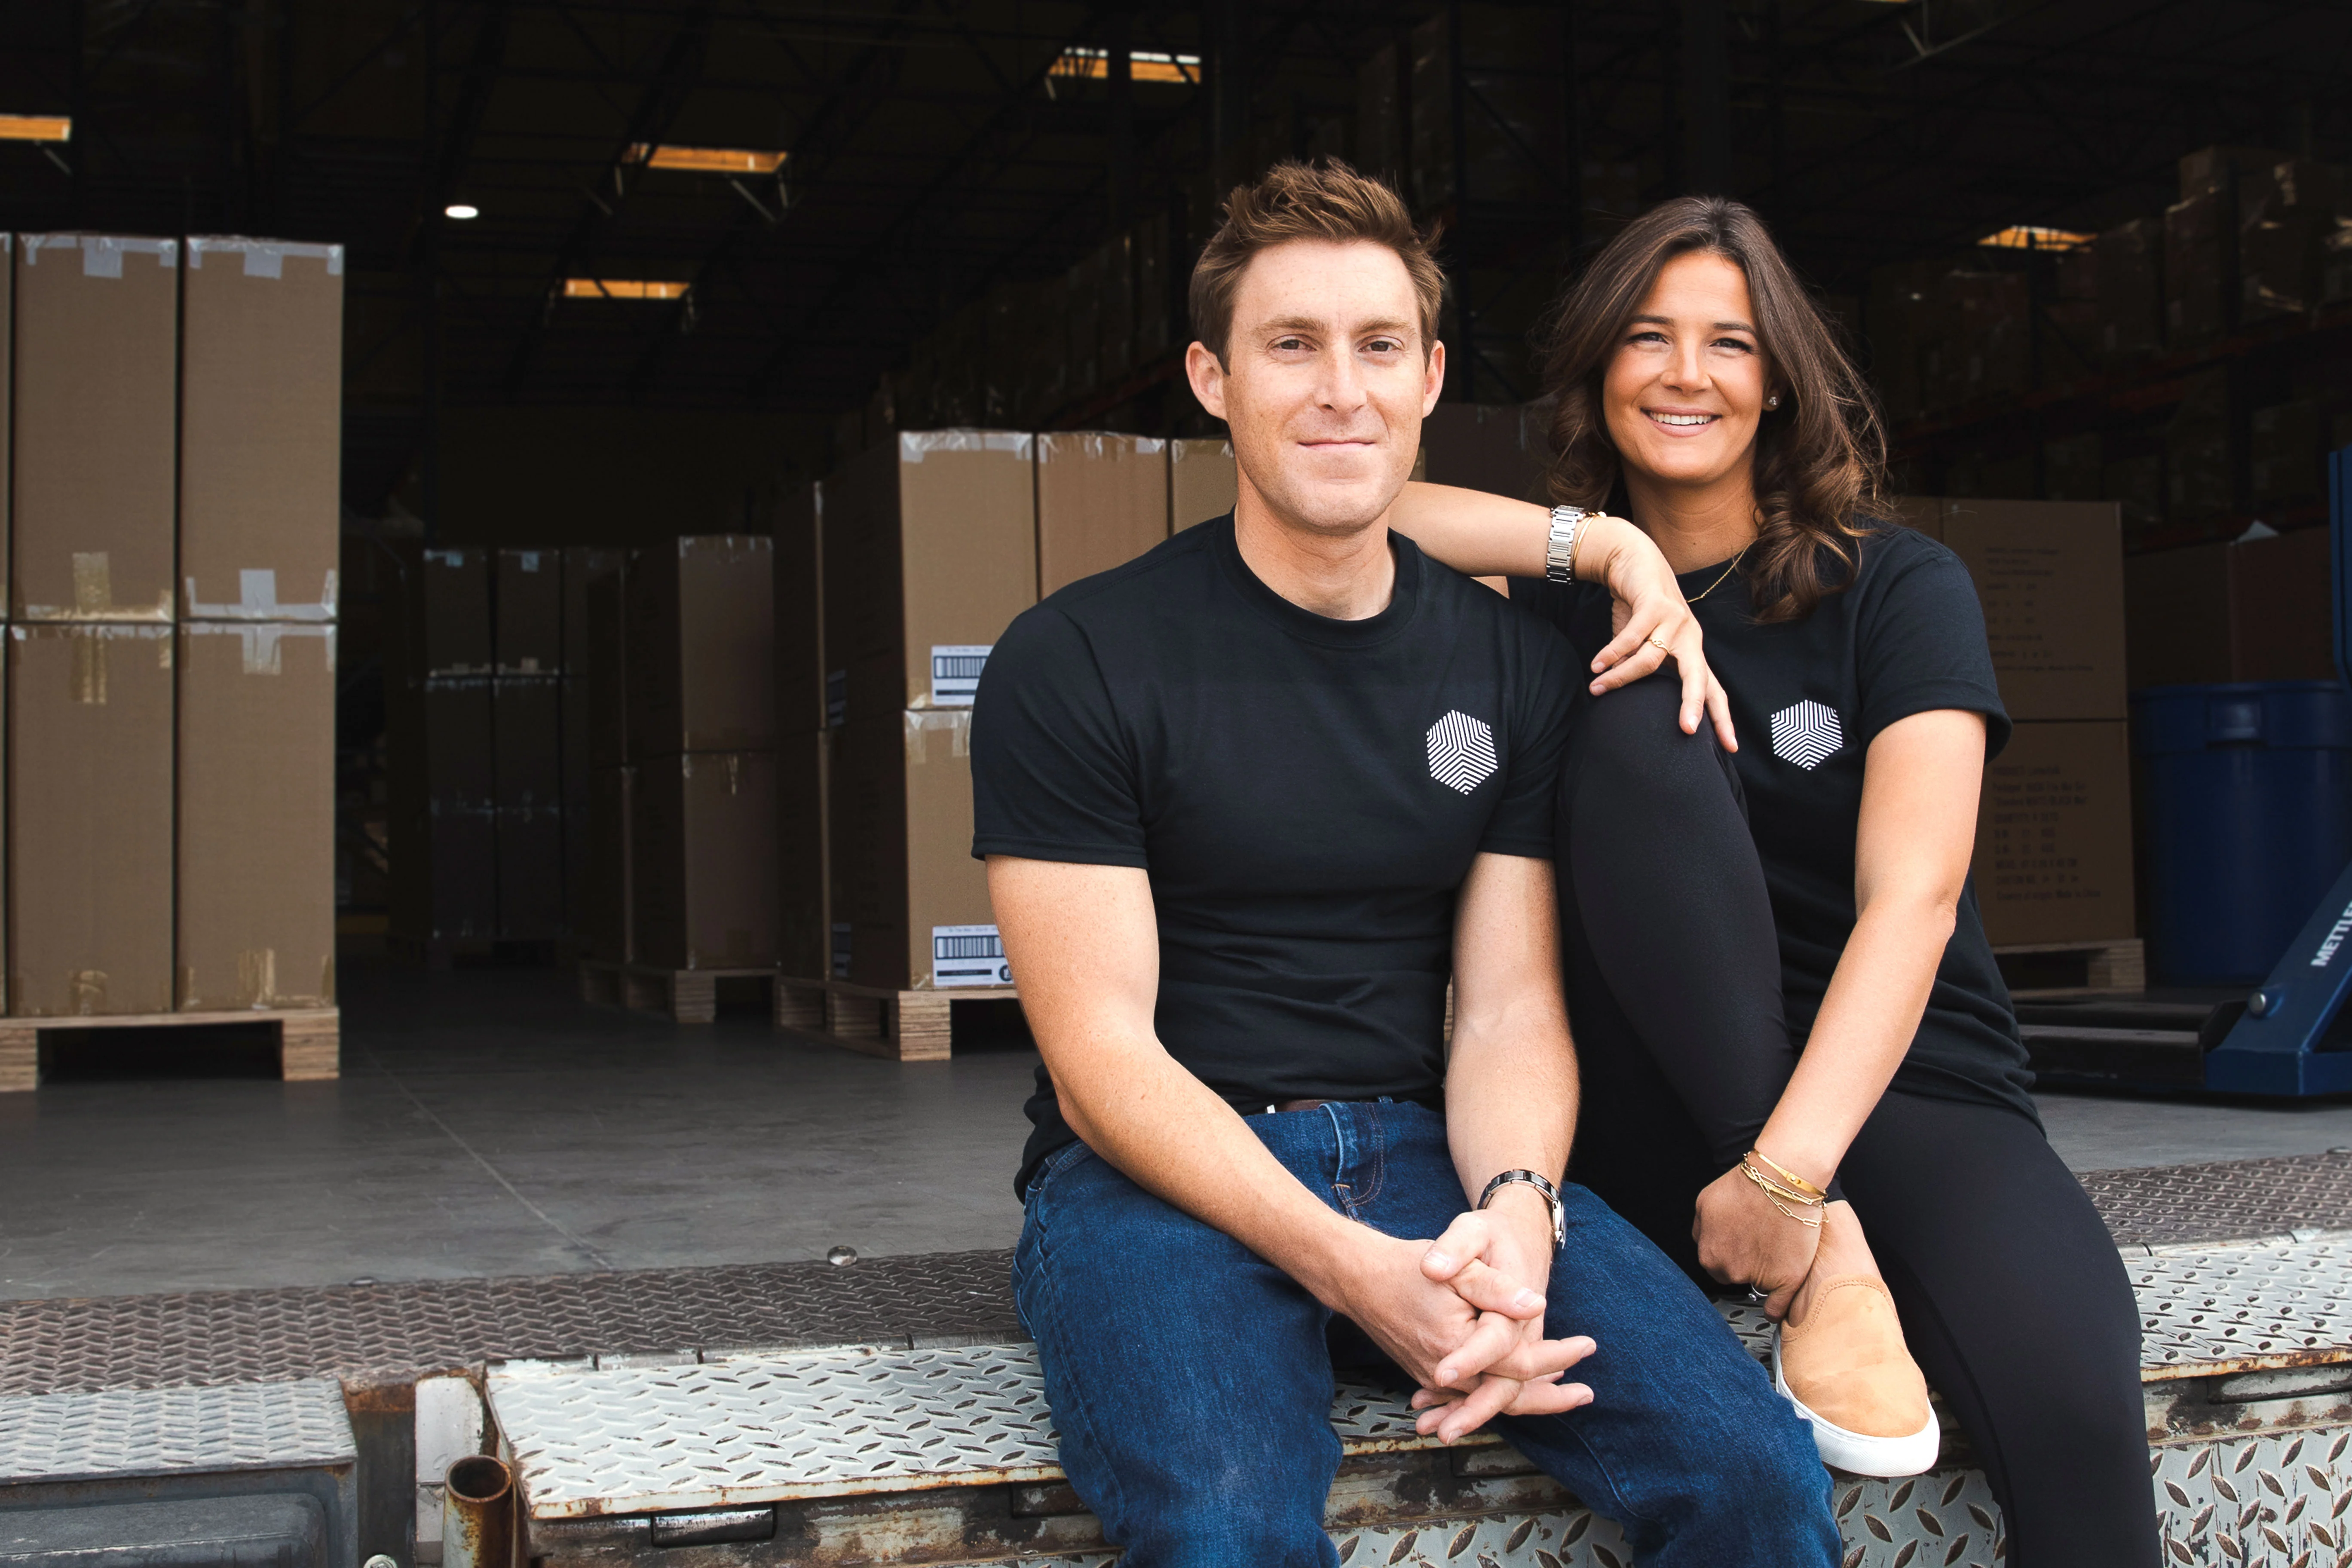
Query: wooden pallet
[(897, 1025), (2073, 968), (688, 996), (310, 1039)]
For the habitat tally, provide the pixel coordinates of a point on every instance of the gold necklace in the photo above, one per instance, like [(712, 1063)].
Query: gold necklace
[(1718, 583)]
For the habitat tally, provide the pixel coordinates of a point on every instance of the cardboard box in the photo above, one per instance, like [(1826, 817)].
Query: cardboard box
[(1102, 501), (90, 816), (1202, 481), (2053, 852), (2199, 270), (701, 673), (444, 861), (2131, 289), (607, 894), (1482, 448), (531, 874), (2287, 452), (578, 793), (702, 861), (255, 899), (2050, 576), (606, 729), (800, 612), (529, 617), (261, 429), (449, 614), (527, 719), (802, 906), (2177, 617), (2216, 169), (930, 550), (911, 906), (459, 763), (95, 407), (585, 564), (2282, 614)]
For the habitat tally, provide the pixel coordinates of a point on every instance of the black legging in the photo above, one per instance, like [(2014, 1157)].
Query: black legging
[(2010, 1289)]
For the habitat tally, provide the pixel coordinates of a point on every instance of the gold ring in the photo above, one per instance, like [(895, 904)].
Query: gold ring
[(1652, 640)]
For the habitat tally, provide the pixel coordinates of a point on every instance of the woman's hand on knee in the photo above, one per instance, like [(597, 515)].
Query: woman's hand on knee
[(1744, 1240)]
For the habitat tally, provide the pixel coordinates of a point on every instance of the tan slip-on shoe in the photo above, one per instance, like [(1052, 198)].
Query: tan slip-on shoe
[(1849, 1376)]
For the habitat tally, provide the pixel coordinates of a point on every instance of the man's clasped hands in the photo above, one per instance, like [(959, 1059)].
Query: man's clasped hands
[(1464, 1316)]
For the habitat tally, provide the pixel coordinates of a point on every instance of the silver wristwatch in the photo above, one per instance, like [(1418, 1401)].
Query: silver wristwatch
[(1560, 552), (1540, 1184)]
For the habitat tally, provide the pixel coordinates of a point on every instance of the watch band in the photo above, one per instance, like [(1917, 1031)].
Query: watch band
[(1540, 1184), (1560, 550)]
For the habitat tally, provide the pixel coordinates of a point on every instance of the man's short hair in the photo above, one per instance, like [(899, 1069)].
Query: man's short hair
[(1325, 200)]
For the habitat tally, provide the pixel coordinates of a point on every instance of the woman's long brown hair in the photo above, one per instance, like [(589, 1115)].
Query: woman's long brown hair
[(1820, 458)]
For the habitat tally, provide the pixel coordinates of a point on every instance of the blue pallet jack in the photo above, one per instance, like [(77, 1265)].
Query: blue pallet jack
[(2278, 1045)]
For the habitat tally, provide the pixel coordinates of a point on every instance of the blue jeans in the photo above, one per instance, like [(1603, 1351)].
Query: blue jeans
[(1192, 1380)]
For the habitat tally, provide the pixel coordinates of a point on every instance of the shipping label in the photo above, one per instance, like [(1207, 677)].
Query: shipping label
[(967, 955), (955, 673)]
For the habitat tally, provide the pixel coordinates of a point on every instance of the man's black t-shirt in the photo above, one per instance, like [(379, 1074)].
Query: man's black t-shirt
[(1905, 636), (1306, 794)]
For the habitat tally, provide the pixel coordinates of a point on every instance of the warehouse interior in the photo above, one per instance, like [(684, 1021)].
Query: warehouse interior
[(539, 479)]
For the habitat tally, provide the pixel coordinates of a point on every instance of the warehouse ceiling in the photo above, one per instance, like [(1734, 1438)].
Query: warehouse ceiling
[(932, 148)]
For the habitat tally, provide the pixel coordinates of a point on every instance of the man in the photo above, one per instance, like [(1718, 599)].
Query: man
[(1246, 803)]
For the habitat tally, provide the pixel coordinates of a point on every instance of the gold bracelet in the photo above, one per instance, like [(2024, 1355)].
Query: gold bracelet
[(1774, 1193), (1789, 1176)]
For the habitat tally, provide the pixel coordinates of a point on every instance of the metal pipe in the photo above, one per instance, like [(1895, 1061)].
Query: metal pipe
[(477, 1514)]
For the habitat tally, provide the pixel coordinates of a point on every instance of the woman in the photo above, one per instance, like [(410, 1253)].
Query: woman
[(1789, 1020)]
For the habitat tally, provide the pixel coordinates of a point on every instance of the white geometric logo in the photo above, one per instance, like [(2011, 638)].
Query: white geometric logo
[(1460, 752), (1806, 733)]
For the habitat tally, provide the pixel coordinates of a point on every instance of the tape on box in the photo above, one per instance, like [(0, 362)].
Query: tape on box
[(102, 254), (913, 445), (953, 727), (257, 599), (263, 257), (260, 654)]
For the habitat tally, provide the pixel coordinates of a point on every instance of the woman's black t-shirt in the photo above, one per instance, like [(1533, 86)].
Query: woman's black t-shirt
[(1905, 636)]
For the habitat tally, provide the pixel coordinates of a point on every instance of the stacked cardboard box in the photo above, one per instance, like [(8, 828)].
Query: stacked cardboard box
[(2252, 609), (700, 734), (89, 785), (260, 496), (592, 631), (442, 733), (1202, 481), (929, 549), (527, 722), (171, 804), (1102, 499), (803, 738), (2054, 856)]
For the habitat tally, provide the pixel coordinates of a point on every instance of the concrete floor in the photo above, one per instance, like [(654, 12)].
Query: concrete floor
[(490, 1123)]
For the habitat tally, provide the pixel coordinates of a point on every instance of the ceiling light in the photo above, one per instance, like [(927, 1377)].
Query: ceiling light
[(621, 289), (1143, 64), (707, 160), (2034, 236), (461, 211), (36, 128)]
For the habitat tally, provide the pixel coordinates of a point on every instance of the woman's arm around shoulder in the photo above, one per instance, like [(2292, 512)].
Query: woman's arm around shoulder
[(1484, 535)]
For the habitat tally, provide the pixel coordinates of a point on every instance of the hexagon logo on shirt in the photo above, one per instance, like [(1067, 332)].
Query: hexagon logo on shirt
[(1461, 752), (1807, 733)]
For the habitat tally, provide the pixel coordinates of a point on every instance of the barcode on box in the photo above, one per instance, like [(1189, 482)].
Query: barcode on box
[(955, 674), (967, 955)]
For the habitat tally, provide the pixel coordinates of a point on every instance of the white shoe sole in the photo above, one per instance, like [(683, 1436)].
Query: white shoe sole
[(1857, 1452)]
